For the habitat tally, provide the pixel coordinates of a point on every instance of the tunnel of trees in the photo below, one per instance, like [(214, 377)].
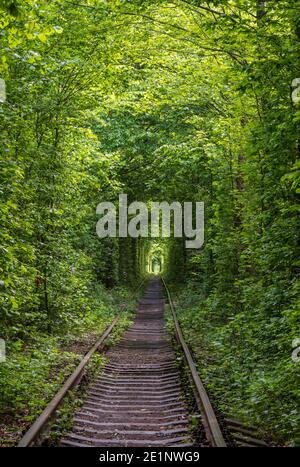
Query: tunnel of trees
[(183, 100)]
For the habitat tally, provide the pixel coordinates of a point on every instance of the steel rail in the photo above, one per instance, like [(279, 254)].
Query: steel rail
[(38, 426), (211, 424)]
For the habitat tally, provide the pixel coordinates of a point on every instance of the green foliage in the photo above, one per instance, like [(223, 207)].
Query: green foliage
[(36, 365), (181, 101)]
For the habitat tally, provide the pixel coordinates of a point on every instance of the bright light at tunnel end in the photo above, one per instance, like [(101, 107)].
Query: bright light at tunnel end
[(160, 219)]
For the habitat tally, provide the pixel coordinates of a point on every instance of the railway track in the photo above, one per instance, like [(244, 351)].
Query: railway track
[(138, 399)]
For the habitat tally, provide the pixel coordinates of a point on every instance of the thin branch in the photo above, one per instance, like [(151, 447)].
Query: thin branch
[(201, 7), (233, 55), (81, 5)]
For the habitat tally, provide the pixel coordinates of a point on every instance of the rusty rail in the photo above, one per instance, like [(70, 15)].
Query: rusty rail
[(41, 422), (211, 424)]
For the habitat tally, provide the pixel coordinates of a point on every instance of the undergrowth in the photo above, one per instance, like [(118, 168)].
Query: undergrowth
[(247, 381), (35, 368)]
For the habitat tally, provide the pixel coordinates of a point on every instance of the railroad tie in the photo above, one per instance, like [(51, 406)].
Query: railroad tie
[(137, 400)]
